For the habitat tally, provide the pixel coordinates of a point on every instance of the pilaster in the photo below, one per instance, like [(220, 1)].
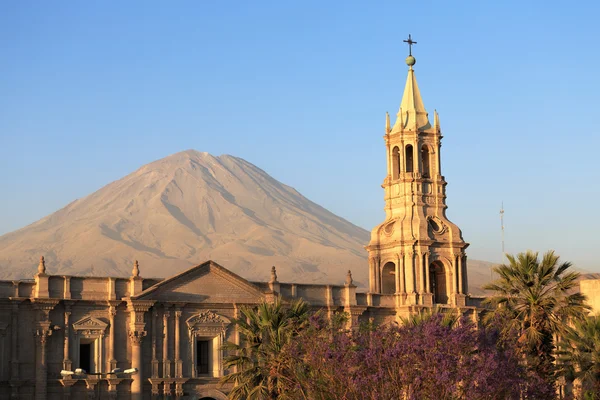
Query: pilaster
[(137, 310), (155, 364), (67, 363), (166, 361), (178, 361), (112, 313), (43, 330)]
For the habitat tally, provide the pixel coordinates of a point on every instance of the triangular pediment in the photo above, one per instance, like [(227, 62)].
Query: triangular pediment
[(89, 323), (205, 283)]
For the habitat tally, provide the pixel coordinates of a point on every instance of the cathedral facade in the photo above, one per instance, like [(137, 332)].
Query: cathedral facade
[(76, 337)]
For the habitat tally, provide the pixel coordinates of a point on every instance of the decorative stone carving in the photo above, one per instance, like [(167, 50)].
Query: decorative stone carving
[(136, 269), (136, 337), (349, 280), (90, 327), (42, 266), (207, 323)]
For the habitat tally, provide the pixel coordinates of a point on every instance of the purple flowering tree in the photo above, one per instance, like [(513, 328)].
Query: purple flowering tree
[(428, 360)]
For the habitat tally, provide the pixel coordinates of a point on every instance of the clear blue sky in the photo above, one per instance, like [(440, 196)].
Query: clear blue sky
[(90, 91)]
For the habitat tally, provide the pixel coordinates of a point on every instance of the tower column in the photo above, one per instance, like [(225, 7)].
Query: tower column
[(401, 273), (427, 277), (421, 273), (460, 274), (466, 281), (397, 271), (410, 277)]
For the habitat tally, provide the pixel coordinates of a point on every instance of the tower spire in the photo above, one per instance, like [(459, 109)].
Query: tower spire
[(413, 115)]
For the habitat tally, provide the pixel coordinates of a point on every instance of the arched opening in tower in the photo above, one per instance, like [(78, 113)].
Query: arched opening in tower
[(388, 278), (425, 161), (409, 158), (395, 163), (437, 279)]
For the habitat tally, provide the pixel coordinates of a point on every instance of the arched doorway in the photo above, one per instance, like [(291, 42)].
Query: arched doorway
[(388, 278), (437, 278)]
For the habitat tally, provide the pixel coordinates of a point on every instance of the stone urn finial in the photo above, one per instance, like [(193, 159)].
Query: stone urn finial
[(42, 266), (273, 275), (349, 280), (136, 269)]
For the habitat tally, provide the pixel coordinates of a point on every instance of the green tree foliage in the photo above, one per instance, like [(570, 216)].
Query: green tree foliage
[(264, 331), (536, 298), (579, 356)]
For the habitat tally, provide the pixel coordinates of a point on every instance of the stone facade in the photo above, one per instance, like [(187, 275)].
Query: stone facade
[(171, 330), (591, 289)]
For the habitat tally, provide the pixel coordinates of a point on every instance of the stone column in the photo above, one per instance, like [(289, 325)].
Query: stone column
[(42, 332), (377, 270), (397, 276), (112, 362), (14, 349), (178, 362), (410, 272), (465, 277), (411, 297), (371, 274), (136, 338), (427, 273), (402, 275), (166, 362), (137, 310), (67, 364), (41, 368), (3, 354), (420, 275), (460, 274), (154, 359)]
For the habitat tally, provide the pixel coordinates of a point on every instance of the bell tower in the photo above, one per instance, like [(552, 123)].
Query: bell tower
[(416, 255)]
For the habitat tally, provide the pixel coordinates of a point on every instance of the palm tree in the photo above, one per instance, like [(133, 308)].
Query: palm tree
[(264, 331), (579, 355), (537, 298), (449, 318)]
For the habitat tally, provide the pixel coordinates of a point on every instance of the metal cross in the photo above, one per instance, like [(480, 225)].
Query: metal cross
[(410, 43)]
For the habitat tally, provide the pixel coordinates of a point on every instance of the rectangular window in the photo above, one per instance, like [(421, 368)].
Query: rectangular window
[(85, 356), (202, 356)]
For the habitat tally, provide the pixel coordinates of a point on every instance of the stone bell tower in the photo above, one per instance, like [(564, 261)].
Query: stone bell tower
[(416, 254)]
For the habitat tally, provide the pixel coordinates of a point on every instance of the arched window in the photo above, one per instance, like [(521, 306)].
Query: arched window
[(395, 163), (388, 278), (409, 158), (425, 161), (437, 279)]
